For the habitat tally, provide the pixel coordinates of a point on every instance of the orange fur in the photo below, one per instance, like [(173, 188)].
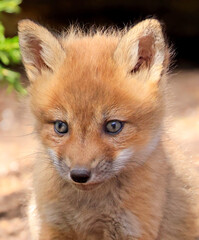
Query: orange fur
[(139, 188)]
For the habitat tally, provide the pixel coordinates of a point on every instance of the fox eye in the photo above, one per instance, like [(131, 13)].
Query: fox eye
[(60, 127), (114, 126)]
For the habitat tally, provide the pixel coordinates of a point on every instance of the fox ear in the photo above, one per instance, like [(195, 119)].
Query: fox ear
[(40, 50), (142, 50)]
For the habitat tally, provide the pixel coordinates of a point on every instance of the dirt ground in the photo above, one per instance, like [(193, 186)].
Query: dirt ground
[(18, 147)]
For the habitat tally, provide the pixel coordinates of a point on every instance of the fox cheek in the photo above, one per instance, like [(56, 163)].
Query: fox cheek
[(61, 165), (122, 159), (106, 169)]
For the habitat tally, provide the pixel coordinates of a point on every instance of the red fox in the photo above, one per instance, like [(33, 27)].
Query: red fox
[(107, 170)]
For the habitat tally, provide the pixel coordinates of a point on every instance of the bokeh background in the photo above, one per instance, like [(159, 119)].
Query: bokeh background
[(18, 144)]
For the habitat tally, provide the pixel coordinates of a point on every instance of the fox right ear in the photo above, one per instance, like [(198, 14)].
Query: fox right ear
[(142, 51), (40, 50)]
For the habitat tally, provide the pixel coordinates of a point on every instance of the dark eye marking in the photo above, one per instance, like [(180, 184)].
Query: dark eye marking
[(113, 126), (60, 127)]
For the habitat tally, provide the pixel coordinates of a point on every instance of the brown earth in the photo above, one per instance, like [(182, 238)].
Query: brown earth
[(18, 147)]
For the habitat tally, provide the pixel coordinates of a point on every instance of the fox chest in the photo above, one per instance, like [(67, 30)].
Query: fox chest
[(92, 219)]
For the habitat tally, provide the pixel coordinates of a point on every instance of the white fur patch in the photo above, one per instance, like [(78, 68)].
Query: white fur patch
[(121, 160), (53, 156), (61, 165), (151, 145)]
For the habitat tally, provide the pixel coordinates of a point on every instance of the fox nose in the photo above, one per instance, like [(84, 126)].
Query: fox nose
[(80, 175)]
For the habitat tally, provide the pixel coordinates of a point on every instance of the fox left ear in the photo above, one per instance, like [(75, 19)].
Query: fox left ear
[(40, 50), (143, 52)]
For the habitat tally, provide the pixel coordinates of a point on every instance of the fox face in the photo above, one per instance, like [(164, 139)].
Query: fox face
[(97, 98)]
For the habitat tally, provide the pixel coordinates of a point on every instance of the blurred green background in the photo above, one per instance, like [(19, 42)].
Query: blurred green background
[(9, 50)]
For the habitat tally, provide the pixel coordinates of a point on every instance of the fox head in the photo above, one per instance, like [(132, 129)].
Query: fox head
[(97, 98)]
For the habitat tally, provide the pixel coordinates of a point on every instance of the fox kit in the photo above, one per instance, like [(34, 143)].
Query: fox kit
[(106, 171)]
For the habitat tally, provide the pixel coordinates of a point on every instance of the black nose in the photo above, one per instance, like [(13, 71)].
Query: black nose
[(80, 175)]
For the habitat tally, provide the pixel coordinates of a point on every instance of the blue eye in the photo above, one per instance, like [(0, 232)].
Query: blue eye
[(60, 127), (114, 126)]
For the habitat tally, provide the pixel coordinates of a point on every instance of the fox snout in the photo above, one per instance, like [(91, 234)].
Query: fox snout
[(80, 175), (87, 172)]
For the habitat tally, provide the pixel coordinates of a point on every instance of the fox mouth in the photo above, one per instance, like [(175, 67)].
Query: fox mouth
[(88, 186)]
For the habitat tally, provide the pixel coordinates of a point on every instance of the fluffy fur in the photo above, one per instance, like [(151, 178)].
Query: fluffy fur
[(139, 188)]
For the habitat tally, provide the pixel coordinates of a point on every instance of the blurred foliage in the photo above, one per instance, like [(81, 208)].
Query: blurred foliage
[(9, 50)]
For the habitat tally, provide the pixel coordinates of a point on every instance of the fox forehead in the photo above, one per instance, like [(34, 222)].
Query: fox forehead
[(90, 80), (89, 99), (89, 66), (92, 49)]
